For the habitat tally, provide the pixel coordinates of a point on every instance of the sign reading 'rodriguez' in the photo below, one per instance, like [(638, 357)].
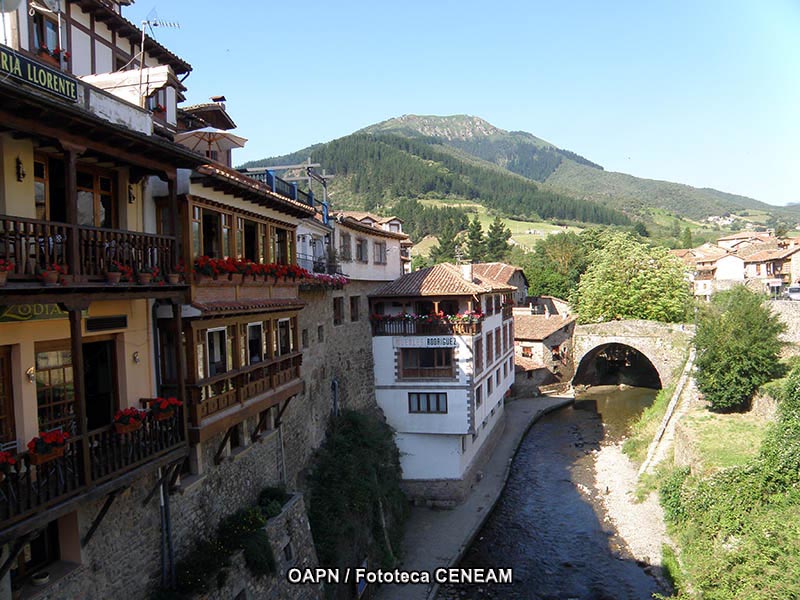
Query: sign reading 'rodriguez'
[(36, 74)]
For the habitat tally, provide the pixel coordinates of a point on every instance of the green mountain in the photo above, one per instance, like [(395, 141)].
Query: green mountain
[(513, 173)]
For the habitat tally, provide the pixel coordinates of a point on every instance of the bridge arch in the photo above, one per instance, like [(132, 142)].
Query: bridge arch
[(663, 345), (613, 364)]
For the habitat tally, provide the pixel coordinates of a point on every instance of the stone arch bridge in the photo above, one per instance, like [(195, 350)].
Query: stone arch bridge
[(634, 352)]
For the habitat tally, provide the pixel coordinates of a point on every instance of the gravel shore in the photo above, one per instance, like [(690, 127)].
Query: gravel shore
[(640, 525)]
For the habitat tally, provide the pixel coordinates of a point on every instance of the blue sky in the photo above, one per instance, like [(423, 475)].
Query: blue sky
[(700, 92)]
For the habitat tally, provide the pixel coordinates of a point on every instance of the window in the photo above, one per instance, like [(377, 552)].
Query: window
[(497, 377), (478, 355), (427, 402), (427, 362), (285, 341), (362, 251), (54, 391), (489, 348), (527, 351), (355, 302), (96, 202), (497, 343), (478, 395), (489, 306), (40, 189), (255, 343), (320, 333), (505, 370), (45, 32), (281, 251), (305, 338), (394, 227), (42, 549), (247, 239), (220, 357), (338, 311), (345, 247), (157, 104), (379, 251), (498, 300), (488, 386)]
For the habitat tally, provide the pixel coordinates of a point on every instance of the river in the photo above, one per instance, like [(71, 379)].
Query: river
[(549, 523)]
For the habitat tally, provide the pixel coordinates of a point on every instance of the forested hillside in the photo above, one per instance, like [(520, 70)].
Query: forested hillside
[(384, 168)]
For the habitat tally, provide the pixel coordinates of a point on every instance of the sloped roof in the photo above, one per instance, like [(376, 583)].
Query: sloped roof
[(746, 235), (212, 113), (771, 254), (498, 271), (225, 179), (524, 363), (351, 223), (440, 280), (248, 306), (538, 327)]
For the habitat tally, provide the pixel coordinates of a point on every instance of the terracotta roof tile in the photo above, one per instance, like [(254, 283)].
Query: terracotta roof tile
[(497, 271), (538, 327), (441, 280), (524, 363)]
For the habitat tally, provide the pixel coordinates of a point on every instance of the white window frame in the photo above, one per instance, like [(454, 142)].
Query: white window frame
[(209, 331)]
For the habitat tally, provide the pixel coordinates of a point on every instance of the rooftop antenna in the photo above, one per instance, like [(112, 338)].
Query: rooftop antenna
[(151, 21)]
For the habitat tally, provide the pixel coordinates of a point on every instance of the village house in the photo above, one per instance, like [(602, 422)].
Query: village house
[(443, 350), (542, 349)]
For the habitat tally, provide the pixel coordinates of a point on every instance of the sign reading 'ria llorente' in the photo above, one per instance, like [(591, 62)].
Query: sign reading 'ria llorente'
[(36, 74)]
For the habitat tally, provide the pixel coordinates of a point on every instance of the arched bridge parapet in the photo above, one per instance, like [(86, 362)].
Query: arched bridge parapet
[(665, 344)]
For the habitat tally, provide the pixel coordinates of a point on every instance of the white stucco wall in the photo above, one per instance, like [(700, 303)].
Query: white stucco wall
[(730, 267), (429, 456)]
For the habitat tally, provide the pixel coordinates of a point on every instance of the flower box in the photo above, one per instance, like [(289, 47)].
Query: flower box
[(50, 278), (113, 277), (144, 278), (39, 459), (163, 416), (236, 278), (173, 278), (208, 280), (130, 427)]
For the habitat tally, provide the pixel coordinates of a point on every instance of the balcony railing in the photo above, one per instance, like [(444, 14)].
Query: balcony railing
[(279, 186), (30, 488), (318, 264), (34, 245), (416, 327), (219, 393), (508, 312)]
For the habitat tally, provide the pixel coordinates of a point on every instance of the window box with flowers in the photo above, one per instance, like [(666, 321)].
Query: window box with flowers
[(164, 408), (147, 275), (6, 267), (128, 420), (7, 461), (48, 446)]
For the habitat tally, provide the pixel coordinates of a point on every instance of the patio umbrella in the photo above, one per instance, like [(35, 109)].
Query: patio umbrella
[(209, 139)]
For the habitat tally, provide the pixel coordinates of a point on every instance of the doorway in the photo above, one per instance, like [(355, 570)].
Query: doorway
[(99, 369)]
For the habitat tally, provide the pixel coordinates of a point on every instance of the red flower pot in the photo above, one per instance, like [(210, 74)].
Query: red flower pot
[(163, 416)]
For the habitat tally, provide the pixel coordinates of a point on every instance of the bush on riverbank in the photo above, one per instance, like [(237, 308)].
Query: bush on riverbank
[(646, 426), (738, 529)]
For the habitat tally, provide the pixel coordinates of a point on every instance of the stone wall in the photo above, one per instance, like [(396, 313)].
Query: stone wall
[(789, 312), (664, 344), (341, 359)]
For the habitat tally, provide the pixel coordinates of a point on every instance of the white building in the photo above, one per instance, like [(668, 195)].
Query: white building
[(367, 251), (443, 345)]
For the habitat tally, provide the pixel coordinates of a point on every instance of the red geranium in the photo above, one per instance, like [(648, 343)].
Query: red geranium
[(47, 441), (6, 458), (164, 405), (129, 415), (6, 265)]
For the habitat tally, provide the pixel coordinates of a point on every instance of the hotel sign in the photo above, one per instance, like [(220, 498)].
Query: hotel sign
[(38, 75), (420, 341), (20, 313)]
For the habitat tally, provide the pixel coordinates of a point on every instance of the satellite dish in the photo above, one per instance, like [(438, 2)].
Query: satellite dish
[(9, 5)]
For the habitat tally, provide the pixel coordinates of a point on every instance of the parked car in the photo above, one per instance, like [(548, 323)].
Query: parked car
[(793, 293)]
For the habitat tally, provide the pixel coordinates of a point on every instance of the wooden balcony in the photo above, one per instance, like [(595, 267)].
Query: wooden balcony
[(31, 494), (86, 253), (217, 403), (417, 327), (508, 312)]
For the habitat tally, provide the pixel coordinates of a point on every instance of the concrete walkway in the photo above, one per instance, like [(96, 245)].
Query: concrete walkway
[(438, 538)]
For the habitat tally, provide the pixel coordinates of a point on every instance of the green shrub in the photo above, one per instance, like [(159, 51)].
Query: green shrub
[(200, 567), (232, 530), (271, 509), (258, 556), (274, 493), (670, 495)]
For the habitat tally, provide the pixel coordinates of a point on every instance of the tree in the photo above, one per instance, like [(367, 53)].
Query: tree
[(686, 238), (476, 244), (627, 279), (641, 230), (497, 241), (447, 242), (737, 348), (676, 229), (556, 265)]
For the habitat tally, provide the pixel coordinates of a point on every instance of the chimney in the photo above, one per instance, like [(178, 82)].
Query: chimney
[(466, 272), (219, 100), (546, 312)]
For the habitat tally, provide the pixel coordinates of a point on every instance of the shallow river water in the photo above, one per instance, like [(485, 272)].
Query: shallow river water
[(548, 524)]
